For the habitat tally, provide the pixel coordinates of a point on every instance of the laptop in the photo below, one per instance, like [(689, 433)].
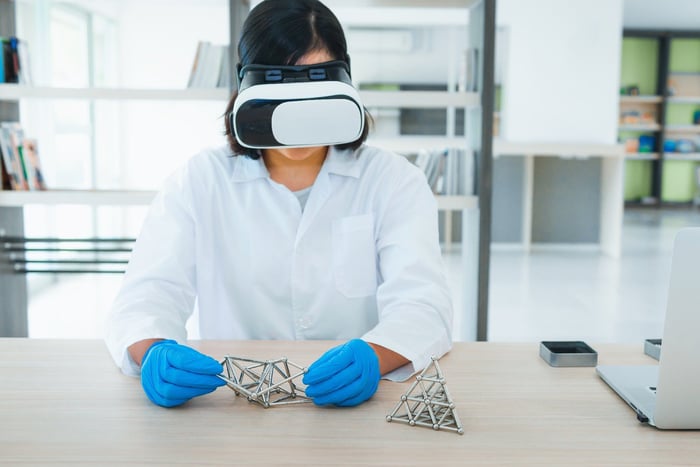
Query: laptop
[(667, 395)]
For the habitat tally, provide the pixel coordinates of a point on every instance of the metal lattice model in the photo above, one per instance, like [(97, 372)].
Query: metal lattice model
[(428, 403), (266, 382)]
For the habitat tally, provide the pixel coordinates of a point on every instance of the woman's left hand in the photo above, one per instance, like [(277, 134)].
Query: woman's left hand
[(345, 376)]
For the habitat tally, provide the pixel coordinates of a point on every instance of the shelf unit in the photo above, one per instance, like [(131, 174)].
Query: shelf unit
[(640, 99), (389, 99), (653, 63), (13, 287), (683, 128), (15, 92), (612, 174), (77, 197), (642, 156), (641, 127), (684, 100), (144, 197), (690, 156), (482, 32), (392, 99)]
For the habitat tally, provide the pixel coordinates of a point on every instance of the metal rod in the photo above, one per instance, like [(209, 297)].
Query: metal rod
[(68, 261), (66, 240), (66, 271), (16, 249)]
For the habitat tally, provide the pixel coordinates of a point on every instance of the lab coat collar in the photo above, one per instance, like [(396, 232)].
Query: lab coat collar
[(342, 162), (338, 161), (246, 169)]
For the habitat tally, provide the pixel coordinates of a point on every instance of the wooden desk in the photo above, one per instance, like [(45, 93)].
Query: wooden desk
[(65, 402)]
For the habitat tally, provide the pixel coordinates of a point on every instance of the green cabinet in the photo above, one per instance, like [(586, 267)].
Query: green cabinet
[(660, 115)]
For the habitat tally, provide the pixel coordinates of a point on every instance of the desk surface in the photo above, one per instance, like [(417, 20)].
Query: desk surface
[(64, 401)]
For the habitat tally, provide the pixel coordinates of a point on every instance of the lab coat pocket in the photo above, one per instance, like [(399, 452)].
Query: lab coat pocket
[(355, 255)]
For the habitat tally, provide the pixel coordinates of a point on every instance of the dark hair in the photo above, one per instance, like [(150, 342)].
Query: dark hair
[(280, 32)]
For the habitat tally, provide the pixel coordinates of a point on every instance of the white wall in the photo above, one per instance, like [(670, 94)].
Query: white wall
[(666, 14), (158, 41), (427, 61), (562, 70)]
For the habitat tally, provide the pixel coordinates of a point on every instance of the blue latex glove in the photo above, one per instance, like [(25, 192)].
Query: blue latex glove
[(345, 376), (172, 374)]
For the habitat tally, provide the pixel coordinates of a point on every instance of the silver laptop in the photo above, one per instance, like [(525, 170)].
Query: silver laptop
[(667, 395)]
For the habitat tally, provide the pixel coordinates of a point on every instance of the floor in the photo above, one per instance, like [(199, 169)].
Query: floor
[(537, 296), (548, 295)]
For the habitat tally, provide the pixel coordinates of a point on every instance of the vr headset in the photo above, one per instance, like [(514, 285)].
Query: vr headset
[(296, 106)]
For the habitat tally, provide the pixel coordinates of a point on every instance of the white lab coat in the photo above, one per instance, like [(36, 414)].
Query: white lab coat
[(361, 260)]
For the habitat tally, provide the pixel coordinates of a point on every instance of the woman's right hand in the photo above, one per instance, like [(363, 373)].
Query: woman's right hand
[(172, 374)]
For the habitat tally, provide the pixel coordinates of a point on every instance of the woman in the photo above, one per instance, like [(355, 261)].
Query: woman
[(324, 242)]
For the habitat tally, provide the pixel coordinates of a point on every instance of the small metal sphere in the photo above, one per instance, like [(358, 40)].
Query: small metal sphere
[(436, 427), (388, 418), (460, 431), (419, 378), (452, 405), (412, 422), (443, 381), (404, 398)]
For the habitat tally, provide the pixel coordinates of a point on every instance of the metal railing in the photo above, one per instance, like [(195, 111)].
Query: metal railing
[(26, 255)]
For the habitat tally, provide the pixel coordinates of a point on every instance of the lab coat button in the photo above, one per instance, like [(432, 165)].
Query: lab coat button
[(303, 323)]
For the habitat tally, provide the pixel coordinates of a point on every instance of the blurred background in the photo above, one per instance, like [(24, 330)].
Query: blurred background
[(595, 120)]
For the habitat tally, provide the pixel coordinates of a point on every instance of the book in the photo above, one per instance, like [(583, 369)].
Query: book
[(31, 157), (16, 135), (197, 58), (448, 171), (211, 67), (225, 70), (10, 157), (14, 61), (10, 62), (24, 74), (2, 60), (20, 159), (199, 64), (5, 177)]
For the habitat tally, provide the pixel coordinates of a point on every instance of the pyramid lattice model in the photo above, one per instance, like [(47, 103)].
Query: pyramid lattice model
[(266, 382), (428, 403)]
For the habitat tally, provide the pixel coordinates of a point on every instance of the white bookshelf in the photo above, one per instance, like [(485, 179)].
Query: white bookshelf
[(612, 158), (642, 156), (76, 197), (683, 128), (456, 203), (372, 99), (16, 92), (406, 99), (501, 147), (684, 100), (419, 99), (411, 144), (144, 197), (639, 127), (640, 99), (377, 100), (677, 156)]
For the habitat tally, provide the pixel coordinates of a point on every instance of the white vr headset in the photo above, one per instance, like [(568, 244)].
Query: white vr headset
[(296, 106)]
